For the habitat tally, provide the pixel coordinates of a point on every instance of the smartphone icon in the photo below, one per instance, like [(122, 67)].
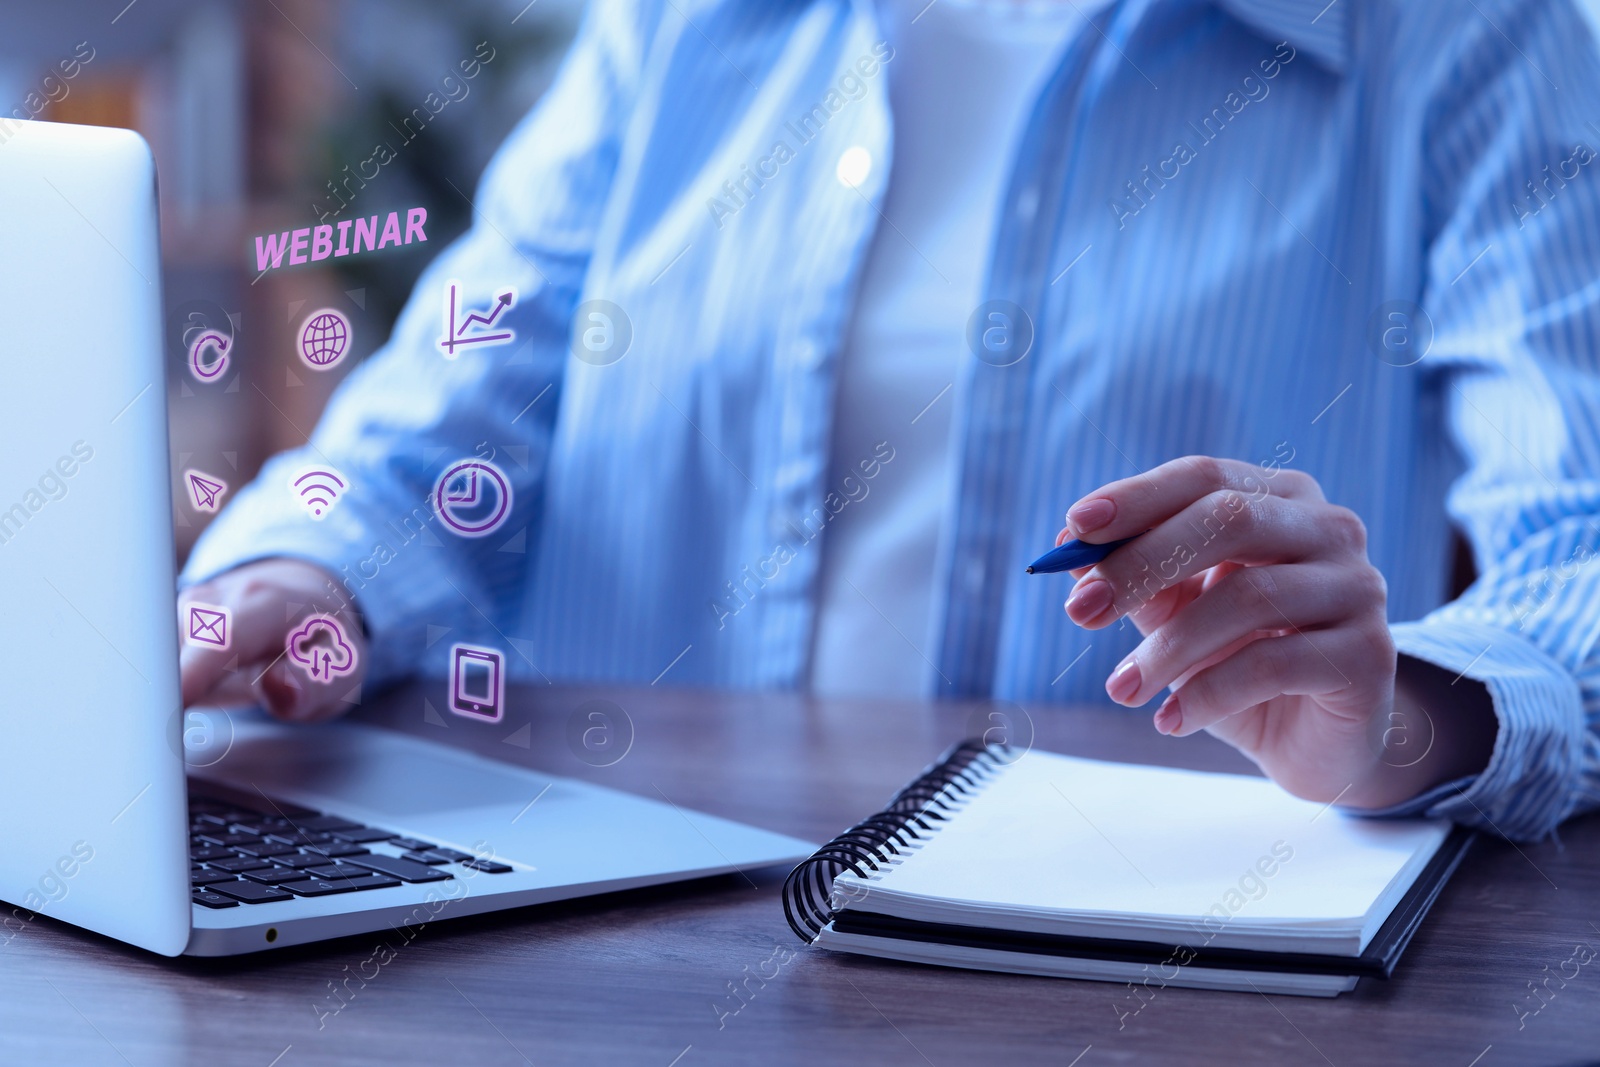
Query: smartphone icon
[(477, 682)]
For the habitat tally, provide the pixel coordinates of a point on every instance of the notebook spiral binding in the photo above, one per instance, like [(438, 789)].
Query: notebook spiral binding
[(879, 840)]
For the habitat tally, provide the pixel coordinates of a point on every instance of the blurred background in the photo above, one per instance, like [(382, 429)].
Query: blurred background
[(259, 112)]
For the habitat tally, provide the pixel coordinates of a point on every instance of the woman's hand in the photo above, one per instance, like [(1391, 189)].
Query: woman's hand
[(1261, 612), (268, 599)]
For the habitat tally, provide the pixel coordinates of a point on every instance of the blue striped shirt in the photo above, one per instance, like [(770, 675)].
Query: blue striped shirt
[(1359, 237)]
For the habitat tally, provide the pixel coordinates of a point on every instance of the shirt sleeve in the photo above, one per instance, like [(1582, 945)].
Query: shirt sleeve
[(407, 413), (1512, 185)]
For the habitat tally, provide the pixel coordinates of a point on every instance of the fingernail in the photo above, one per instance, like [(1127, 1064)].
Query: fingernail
[(1169, 717), (1124, 681), (1089, 600), (1090, 515)]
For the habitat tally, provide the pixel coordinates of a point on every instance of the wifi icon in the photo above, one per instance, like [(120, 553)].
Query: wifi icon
[(319, 489)]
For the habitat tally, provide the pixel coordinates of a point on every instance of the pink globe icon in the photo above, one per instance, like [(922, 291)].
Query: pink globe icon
[(324, 338)]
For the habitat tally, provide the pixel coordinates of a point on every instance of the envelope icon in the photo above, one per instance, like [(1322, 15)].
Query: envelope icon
[(208, 625)]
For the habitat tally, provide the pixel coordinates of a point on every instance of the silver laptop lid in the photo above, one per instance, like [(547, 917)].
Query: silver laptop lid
[(92, 829)]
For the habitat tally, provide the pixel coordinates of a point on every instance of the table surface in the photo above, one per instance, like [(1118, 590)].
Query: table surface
[(643, 977)]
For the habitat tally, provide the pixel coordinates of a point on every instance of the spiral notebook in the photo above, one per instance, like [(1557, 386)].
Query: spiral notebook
[(1035, 863)]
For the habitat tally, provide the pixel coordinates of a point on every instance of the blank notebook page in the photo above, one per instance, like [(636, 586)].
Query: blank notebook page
[(1055, 844)]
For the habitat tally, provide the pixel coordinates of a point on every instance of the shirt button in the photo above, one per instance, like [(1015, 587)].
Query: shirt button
[(779, 523), (974, 576), (854, 165), (807, 355)]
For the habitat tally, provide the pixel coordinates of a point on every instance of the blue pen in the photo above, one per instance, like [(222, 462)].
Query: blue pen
[(1074, 554)]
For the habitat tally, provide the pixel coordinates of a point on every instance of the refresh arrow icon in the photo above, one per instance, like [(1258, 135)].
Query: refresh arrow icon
[(219, 343)]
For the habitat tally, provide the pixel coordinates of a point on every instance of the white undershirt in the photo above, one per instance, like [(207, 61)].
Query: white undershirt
[(962, 81)]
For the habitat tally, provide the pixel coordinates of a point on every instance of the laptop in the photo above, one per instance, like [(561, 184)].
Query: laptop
[(292, 834)]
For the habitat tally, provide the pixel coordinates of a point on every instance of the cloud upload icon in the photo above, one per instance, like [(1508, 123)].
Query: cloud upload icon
[(320, 648)]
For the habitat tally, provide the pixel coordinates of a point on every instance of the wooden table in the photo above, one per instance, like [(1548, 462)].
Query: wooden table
[(643, 977)]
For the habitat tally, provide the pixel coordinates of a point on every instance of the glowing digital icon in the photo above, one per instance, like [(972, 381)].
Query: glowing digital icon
[(208, 625), (321, 648), (214, 342), (319, 489), (324, 338), (205, 491), (477, 682), (473, 498), (458, 320)]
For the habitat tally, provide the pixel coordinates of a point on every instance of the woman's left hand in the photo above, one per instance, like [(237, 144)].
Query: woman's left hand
[(1258, 608)]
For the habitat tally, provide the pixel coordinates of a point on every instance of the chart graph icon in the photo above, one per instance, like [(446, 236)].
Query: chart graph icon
[(319, 489), (463, 326)]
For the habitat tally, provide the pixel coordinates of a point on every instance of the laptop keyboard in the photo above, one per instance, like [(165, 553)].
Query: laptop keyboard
[(263, 851)]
